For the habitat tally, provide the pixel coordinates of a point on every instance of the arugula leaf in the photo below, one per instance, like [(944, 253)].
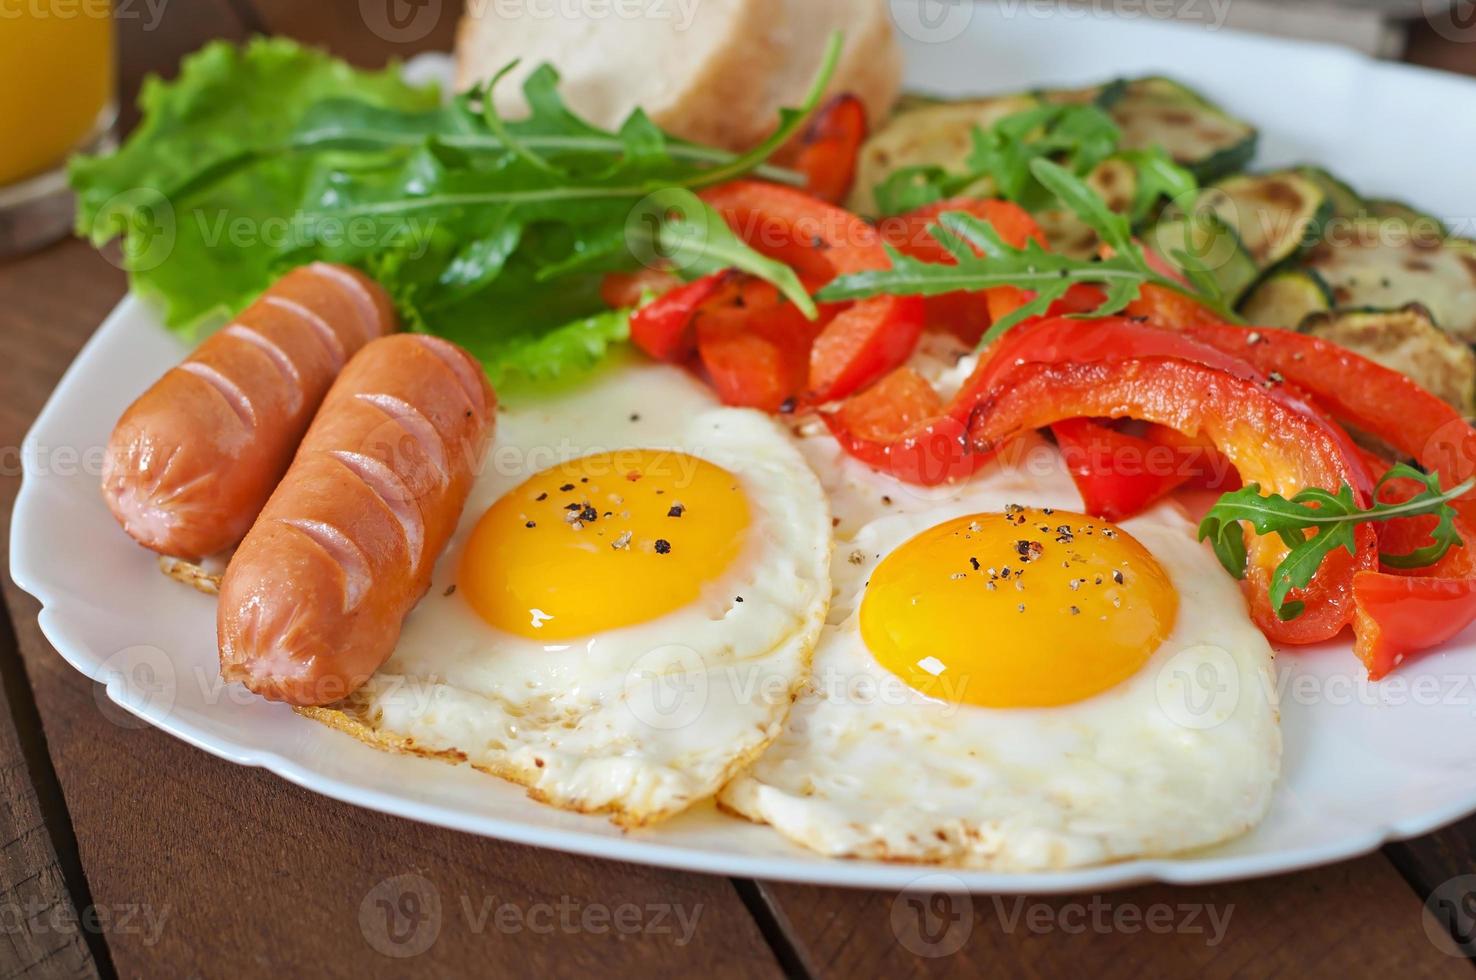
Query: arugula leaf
[(1000, 164), (695, 240), (1332, 517), (1048, 274), (491, 231)]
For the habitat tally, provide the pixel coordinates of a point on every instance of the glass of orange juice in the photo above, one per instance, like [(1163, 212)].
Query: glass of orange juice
[(57, 95)]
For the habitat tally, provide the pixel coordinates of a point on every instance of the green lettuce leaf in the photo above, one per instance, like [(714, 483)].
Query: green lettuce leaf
[(219, 253)]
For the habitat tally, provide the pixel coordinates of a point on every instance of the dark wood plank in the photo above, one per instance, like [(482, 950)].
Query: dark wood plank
[(1351, 919), (367, 33), (38, 919)]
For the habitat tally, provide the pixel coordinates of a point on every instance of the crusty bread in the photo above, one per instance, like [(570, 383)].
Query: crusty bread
[(712, 71)]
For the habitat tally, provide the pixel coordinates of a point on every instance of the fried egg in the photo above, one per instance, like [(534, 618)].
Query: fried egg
[(628, 607), (1008, 685)]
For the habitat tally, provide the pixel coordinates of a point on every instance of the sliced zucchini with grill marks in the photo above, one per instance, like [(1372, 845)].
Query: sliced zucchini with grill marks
[(1276, 215), (1408, 341), (1420, 221), (1385, 264), (1286, 298), (938, 135), (1195, 132), (1344, 200), (1116, 183), (1211, 244)]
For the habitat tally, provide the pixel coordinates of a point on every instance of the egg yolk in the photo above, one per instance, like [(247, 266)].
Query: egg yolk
[(1029, 608), (603, 541)]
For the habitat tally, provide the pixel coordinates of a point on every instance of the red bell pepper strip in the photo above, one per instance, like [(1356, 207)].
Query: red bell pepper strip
[(1272, 438), (1401, 611), (964, 314), (900, 426), (864, 340), (829, 148), (1353, 389), (663, 327), (756, 358), (1398, 614), (1118, 474)]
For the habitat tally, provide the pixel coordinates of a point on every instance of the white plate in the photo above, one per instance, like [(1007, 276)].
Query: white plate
[(1364, 763)]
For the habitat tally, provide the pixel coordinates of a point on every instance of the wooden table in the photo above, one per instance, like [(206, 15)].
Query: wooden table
[(127, 852)]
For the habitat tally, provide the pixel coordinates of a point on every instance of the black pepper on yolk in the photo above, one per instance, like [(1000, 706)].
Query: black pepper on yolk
[(1030, 608), (603, 541)]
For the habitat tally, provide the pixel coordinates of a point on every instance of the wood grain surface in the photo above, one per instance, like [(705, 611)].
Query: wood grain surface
[(172, 863)]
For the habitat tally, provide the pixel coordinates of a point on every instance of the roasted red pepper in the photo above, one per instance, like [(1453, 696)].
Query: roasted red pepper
[(1353, 389), (864, 340), (1401, 611), (1120, 369), (1118, 474), (829, 147), (663, 327), (1399, 614), (900, 426)]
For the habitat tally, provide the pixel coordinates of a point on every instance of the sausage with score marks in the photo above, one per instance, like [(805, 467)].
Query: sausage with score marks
[(313, 600), (192, 461)]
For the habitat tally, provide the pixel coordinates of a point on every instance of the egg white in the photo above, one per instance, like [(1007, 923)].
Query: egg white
[(639, 722), (1185, 753)]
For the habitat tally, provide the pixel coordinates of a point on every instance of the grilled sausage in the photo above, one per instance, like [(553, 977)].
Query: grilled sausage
[(192, 461), (313, 600)]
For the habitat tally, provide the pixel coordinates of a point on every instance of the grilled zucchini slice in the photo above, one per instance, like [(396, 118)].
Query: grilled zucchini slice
[(936, 135), (1150, 112), (1344, 201), (1215, 246), (1195, 132), (1286, 298), (1373, 264), (1116, 183), (1420, 221), (1408, 341), (1276, 215)]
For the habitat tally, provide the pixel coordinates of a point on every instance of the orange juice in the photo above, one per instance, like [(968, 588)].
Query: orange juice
[(56, 80)]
